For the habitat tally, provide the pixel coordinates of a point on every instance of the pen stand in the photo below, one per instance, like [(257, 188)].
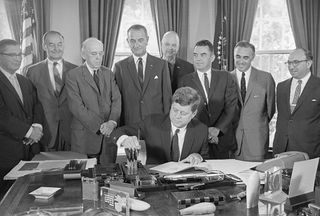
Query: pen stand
[(273, 197)]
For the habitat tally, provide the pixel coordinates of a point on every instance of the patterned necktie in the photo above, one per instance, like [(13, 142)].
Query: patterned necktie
[(243, 87), (206, 84), (175, 152), (96, 78), (140, 71), (296, 96), (57, 78)]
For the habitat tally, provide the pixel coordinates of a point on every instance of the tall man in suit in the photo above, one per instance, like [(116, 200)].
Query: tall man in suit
[(95, 103), (143, 80), (48, 77), (21, 114), (219, 99), (298, 104), (174, 137), (177, 66), (256, 105)]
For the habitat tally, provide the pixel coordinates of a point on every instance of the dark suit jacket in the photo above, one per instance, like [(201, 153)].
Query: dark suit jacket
[(299, 131), (55, 108), (154, 97), (181, 68), (220, 110), (15, 120), (254, 115), (156, 131), (90, 108)]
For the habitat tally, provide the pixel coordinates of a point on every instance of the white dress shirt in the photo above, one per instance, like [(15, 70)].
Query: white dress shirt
[(144, 62), (246, 76), (181, 136), (201, 78), (51, 74), (294, 84)]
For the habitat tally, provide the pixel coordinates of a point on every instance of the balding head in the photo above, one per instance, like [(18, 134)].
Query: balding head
[(92, 52), (170, 46)]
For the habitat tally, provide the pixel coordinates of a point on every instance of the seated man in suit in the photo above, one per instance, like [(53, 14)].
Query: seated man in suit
[(21, 114), (177, 66), (173, 137)]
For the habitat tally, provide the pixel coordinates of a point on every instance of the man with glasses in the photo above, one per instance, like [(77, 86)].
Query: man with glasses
[(21, 114), (95, 103), (298, 103), (176, 136), (48, 77)]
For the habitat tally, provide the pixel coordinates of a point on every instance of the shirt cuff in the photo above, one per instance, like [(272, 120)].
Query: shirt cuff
[(120, 140), (114, 122)]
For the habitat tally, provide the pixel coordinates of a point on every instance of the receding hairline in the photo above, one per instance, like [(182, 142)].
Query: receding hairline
[(48, 33), (89, 41), (170, 34)]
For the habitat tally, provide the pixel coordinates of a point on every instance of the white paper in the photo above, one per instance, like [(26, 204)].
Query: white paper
[(174, 167), (45, 165), (303, 177)]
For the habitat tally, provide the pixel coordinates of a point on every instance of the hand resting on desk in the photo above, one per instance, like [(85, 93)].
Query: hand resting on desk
[(193, 159)]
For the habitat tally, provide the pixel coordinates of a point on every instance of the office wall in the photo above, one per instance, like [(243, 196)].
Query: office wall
[(64, 17)]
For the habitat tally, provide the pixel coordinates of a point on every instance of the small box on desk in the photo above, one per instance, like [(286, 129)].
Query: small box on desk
[(187, 198)]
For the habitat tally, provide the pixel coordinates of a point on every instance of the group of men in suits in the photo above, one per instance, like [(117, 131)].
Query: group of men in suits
[(212, 114)]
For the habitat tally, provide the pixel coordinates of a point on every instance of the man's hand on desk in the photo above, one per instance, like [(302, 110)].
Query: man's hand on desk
[(131, 142), (193, 159)]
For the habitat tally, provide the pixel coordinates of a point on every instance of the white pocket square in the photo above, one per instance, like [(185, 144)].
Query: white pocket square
[(314, 99), (156, 77), (256, 96)]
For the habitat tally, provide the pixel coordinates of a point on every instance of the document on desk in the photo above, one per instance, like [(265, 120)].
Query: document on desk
[(29, 167), (174, 167)]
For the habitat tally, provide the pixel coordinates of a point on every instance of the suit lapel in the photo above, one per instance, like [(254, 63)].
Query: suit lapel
[(25, 95), (306, 91), (88, 78), (287, 86), (46, 77), (197, 82), (7, 83), (213, 83), (149, 73), (188, 141), (234, 75), (252, 81), (166, 136), (131, 68)]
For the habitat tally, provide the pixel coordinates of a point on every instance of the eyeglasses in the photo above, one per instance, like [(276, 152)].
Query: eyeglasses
[(12, 54), (295, 62)]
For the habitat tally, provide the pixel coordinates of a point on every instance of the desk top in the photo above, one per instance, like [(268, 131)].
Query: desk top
[(18, 198)]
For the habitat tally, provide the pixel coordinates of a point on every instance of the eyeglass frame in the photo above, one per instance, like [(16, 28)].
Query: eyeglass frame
[(295, 63)]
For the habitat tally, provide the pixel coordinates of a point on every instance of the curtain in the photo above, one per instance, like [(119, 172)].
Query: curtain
[(305, 20), (101, 19), (42, 19), (172, 15), (234, 23)]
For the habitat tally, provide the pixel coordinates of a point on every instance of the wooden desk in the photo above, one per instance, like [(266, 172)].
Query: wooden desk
[(162, 204)]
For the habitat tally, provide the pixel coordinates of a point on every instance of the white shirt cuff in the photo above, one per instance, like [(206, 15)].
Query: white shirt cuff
[(120, 140)]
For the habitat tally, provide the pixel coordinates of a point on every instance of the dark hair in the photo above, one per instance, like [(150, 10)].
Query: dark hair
[(7, 42), (307, 53), (187, 96), (245, 44), (205, 43), (137, 27), (45, 35)]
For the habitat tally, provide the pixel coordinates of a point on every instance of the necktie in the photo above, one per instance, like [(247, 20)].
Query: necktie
[(243, 87), (57, 79), (206, 84), (14, 81), (140, 71), (175, 152), (296, 95), (96, 78)]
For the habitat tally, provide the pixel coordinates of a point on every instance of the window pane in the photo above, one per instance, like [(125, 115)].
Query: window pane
[(136, 12), (5, 29)]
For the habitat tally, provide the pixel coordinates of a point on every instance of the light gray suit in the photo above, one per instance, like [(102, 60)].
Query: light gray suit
[(55, 107), (254, 115), (90, 108)]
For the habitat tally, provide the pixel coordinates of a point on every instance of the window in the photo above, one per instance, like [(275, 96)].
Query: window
[(136, 12), (273, 38), (4, 24)]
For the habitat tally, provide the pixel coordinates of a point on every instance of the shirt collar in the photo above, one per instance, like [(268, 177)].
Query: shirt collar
[(304, 79), (7, 74), (144, 58), (247, 72), (90, 69), (51, 62), (208, 72), (174, 128)]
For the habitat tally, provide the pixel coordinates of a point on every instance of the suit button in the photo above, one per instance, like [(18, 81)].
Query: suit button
[(141, 101), (290, 121)]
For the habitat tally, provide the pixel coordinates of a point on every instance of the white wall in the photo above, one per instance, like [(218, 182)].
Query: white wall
[(202, 16), (64, 17)]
